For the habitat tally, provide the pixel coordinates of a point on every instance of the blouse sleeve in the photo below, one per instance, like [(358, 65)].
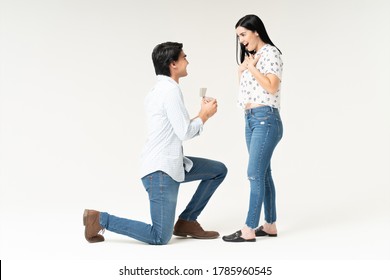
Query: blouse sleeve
[(273, 63)]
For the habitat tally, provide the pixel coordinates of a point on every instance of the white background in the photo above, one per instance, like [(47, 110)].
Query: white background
[(73, 78)]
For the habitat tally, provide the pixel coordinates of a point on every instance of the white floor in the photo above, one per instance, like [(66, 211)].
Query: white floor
[(43, 241), (59, 236)]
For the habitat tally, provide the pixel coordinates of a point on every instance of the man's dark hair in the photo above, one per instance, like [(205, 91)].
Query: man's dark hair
[(163, 54)]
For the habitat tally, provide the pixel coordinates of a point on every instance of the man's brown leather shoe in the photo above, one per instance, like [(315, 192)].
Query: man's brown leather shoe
[(92, 226), (192, 228)]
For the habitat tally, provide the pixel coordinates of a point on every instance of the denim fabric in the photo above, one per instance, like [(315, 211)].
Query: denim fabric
[(263, 131), (163, 192)]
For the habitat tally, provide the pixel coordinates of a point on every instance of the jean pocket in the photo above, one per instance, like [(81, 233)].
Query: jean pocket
[(260, 117)]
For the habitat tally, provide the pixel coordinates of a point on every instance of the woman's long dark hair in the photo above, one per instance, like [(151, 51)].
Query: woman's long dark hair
[(253, 23)]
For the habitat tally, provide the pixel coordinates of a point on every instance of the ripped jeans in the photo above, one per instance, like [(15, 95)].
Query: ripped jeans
[(263, 131)]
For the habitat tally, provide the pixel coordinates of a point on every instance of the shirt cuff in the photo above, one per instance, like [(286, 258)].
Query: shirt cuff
[(198, 121)]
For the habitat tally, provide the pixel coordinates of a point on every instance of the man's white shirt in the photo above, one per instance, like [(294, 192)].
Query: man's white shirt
[(168, 126)]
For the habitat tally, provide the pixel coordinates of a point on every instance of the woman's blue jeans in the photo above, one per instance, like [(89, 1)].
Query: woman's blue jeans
[(263, 131), (163, 192)]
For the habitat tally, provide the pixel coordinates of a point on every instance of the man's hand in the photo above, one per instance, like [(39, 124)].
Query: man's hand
[(208, 108)]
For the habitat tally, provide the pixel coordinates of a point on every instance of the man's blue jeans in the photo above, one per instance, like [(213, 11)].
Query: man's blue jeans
[(163, 191), (263, 131)]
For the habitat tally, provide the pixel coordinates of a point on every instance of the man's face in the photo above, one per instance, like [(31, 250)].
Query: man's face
[(181, 65)]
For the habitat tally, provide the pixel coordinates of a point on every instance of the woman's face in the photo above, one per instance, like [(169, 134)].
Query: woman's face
[(248, 38)]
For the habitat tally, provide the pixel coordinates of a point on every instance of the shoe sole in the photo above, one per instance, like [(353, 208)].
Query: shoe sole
[(85, 217), (93, 239), (269, 235), (239, 240), (194, 236)]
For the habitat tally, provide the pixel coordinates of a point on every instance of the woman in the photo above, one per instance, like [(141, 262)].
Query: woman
[(260, 74)]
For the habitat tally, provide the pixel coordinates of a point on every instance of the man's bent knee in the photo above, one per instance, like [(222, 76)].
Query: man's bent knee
[(163, 239), (222, 169)]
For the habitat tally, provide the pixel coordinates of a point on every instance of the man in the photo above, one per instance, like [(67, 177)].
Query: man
[(164, 166)]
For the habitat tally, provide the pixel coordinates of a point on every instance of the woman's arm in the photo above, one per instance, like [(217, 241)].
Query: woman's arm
[(269, 82)]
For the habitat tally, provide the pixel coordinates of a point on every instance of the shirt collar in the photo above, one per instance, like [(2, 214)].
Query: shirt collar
[(166, 78), (262, 49)]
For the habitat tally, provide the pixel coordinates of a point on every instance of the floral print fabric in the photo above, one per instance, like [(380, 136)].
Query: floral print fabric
[(250, 91)]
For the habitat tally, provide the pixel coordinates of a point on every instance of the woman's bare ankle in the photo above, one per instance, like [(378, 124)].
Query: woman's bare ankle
[(247, 233), (270, 228)]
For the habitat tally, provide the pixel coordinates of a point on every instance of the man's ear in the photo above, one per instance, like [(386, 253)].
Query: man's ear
[(172, 67)]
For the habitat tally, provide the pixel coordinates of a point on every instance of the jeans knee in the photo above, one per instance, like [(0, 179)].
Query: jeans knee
[(222, 170), (163, 239), (253, 177), (161, 242)]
